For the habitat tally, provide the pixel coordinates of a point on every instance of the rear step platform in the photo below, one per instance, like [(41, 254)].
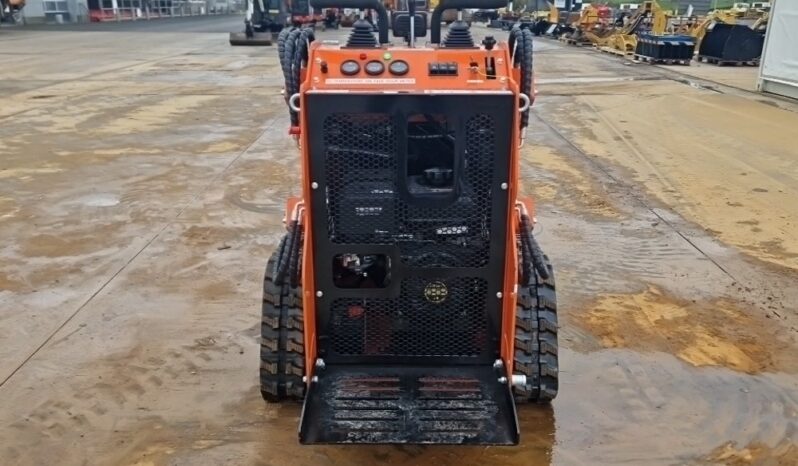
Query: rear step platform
[(409, 404)]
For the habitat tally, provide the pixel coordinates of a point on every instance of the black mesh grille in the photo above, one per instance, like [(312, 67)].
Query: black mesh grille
[(457, 234), (361, 177), (419, 187), (432, 317), (363, 172)]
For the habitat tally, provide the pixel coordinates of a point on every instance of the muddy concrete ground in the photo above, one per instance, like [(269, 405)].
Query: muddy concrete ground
[(142, 178)]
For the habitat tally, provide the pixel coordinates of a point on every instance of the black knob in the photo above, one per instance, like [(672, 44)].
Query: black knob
[(489, 42)]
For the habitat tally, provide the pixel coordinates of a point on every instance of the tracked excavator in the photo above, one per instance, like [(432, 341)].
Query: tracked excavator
[(11, 11), (409, 300), (648, 18), (263, 20)]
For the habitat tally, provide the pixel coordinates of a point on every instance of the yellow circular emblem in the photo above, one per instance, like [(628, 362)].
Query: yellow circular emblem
[(436, 292)]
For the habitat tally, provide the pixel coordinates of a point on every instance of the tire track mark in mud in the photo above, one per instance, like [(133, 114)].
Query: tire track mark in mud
[(617, 256), (742, 198), (623, 407), (137, 253), (613, 241), (123, 393), (638, 199)]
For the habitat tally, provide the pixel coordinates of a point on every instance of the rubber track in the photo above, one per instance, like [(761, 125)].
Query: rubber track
[(536, 340), (282, 358)]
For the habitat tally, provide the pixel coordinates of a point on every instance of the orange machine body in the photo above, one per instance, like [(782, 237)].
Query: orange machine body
[(323, 74)]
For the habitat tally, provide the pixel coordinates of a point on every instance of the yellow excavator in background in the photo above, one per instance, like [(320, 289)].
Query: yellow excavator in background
[(545, 19), (594, 23), (650, 17)]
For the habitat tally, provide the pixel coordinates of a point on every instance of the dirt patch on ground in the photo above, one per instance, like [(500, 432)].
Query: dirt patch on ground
[(9, 283), (56, 246), (52, 275), (8, 207), (156, 115), (72, 243), (755, 454), (711, 333), (217, 291), (557, 180), (27, 174), (196, 235)]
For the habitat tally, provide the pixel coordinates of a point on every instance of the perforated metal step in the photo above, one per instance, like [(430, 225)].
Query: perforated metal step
[(401, 404)]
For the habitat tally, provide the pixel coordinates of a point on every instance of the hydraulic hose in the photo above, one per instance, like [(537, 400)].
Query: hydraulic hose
[(295, 264), (284, 258), (538, 259), (521, 43), (292, 48), (527, 270)]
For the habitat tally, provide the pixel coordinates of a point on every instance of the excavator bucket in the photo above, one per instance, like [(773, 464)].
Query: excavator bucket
[(730, 44)]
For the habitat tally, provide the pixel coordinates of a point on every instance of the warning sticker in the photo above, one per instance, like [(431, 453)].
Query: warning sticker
[(371, 81)]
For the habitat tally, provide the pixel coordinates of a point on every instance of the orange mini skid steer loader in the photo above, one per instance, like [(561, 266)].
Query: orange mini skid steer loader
[(409, 301)]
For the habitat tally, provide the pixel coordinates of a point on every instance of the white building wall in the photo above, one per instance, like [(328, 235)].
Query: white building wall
[(34, 9), (778, 71), (39, 11)]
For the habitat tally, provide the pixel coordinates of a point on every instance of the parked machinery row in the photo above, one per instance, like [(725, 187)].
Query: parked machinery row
[(651, 33)]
